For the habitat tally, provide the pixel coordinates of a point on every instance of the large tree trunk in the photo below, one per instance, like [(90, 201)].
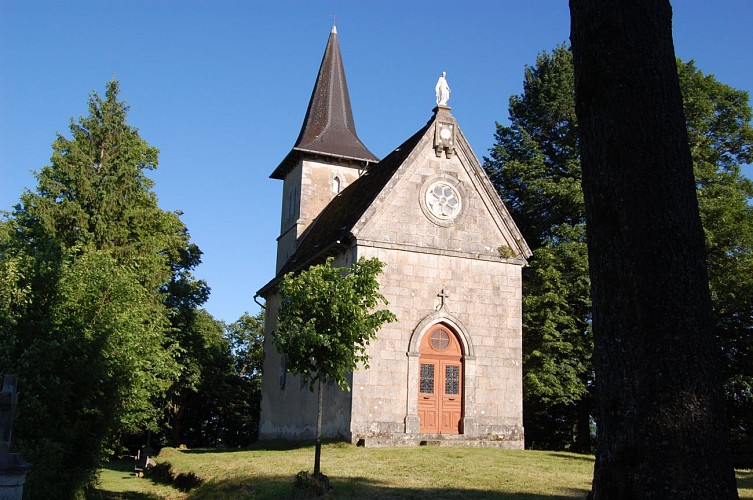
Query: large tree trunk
[(661, 430)]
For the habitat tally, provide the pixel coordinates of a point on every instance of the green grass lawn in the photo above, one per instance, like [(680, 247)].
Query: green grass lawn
[(421, 472)]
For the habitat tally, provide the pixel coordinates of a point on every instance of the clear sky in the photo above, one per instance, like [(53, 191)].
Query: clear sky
[(221, 88)]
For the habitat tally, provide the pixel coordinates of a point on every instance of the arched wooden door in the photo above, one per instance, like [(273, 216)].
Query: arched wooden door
[(440, 382)]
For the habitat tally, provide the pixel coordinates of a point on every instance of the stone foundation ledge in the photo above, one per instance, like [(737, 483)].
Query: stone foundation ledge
[(457, 440)]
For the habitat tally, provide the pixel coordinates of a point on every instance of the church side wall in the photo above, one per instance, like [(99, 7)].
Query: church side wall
[(288, 407), (291, 194)]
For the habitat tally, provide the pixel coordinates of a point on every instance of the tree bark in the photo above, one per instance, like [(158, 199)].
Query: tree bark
[(662, 432), (318, 451)]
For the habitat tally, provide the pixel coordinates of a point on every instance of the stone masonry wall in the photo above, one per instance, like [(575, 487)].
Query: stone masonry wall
[(308, 188), (425, 257), (484, 297)]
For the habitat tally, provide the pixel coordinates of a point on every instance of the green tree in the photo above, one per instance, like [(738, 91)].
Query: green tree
[(241, 416), (535, 162), (721, 140), (325, 323), (536, 168), (88, 264), (223, 410), (246, 336)]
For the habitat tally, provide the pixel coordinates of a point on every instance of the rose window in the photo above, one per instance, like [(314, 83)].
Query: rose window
[(443, 200)]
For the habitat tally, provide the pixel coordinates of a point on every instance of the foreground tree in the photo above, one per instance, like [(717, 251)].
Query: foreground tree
[(86, 265), (325, 323), (662, 429)]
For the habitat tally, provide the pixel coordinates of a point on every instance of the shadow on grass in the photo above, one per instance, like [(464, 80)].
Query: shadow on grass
[(277, 445), (274, 487), (125, 467), (119, 495), (573, 456)]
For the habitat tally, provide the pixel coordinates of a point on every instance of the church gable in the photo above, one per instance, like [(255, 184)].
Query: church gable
[(439, 200)]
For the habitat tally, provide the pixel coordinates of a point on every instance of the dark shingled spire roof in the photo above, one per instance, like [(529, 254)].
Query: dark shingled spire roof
[(328, 127)]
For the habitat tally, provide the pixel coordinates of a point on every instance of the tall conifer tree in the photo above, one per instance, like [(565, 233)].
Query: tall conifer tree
[(90, 266)]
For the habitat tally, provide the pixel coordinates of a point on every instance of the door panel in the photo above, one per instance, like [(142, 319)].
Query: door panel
[(451, 404), (440, 394), (428, 402)]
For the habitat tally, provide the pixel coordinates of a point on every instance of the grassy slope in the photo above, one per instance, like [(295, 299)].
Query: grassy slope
[(424, 472)]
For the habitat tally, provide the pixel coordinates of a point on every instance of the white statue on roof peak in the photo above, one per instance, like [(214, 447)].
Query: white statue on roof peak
[(442, 90)]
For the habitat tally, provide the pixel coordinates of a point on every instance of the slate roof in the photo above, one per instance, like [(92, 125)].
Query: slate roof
[(328, 127), (331, 229)]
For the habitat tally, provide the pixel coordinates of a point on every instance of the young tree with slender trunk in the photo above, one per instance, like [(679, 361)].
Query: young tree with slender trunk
[(325, 323), (662, 428)]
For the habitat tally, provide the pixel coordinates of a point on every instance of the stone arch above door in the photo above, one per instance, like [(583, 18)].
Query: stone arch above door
[(441, 316), (412, 420)]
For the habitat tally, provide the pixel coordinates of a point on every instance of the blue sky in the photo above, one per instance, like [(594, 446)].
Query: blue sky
[(221, 88)]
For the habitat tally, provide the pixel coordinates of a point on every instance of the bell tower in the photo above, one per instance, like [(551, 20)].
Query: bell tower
[(327, 156)]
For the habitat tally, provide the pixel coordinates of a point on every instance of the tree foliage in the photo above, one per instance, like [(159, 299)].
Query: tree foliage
[(536, 168), (89, 266), (721, 140), (325, 322), (246, 337), (223, 407)]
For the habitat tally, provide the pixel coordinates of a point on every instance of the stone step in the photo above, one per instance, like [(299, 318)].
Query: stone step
[(458, 440)]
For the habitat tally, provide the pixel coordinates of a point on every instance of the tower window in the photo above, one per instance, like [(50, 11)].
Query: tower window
[(292, 201), (336, 185)]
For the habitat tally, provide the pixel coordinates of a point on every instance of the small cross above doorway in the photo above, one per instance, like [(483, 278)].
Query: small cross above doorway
[(443, 296)]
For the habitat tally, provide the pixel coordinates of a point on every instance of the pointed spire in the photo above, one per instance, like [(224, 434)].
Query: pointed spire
[(328, 126)]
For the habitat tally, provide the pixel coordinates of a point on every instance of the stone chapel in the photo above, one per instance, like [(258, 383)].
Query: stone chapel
[(450, 368)]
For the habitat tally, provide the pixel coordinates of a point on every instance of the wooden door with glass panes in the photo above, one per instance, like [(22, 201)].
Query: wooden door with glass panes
[(440, 382)]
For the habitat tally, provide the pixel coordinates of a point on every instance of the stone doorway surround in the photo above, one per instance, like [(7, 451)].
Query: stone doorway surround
[(412, 420)]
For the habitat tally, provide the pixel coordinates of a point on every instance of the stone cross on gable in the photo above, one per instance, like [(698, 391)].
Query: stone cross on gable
[(443, 296)]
